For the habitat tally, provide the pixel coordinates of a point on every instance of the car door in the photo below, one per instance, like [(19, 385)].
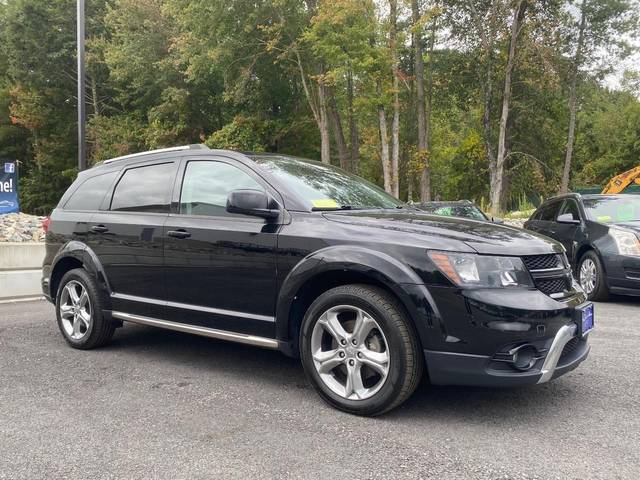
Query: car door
[(220, 268), (545, 223), (567, 233), (127, 236)]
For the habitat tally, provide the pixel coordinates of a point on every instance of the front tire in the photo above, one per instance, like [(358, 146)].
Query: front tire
[(591, 277), (79, 311), (359, 351)]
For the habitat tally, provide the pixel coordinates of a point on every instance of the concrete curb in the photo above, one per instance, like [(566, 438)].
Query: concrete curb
[(20, 270)]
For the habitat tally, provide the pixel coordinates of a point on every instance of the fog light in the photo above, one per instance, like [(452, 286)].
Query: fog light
[(524, 357)]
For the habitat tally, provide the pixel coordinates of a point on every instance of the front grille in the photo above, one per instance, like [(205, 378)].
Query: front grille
[(570, 347), (542, 271), (551, 285), (542, 262)]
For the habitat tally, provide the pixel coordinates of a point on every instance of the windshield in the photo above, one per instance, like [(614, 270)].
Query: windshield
[(464, 211), (613, 209), (326, 187)]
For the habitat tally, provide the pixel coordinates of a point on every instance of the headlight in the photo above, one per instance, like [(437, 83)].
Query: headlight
[(627, 242), (471, 270)]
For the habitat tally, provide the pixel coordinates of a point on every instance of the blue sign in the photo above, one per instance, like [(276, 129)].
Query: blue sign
[(9, 189)]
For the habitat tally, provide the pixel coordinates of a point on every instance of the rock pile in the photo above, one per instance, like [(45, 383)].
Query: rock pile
[(21, 227), (515, 222)]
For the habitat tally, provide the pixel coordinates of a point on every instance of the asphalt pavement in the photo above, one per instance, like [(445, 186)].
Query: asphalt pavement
[(167, 405)]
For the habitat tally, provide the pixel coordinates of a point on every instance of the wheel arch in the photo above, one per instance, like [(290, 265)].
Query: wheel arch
[(78, 255), (337, 266)]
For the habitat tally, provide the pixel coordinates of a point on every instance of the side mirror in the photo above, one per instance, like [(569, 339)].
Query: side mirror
[(497, 220), (567, 218), (252, 202)]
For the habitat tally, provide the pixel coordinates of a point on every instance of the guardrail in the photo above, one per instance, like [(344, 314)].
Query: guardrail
[(20, 270)]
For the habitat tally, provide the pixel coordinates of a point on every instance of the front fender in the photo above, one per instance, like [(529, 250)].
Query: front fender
[(378, 266)]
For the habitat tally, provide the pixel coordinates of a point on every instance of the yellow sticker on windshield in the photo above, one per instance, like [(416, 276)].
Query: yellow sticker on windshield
[(325, 203), (604, 218)]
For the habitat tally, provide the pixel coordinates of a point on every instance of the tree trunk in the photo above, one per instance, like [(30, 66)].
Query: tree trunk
[(425, 181), (94, 97), (395, 123), (323, 125), (573, 102), (497, 180), (486, 117), (384, 144), (353, 126), (338, 132), (426, 175), (318, 106)]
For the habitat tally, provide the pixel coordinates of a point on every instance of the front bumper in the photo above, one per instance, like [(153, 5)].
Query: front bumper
[(561, 354), (623, 273)]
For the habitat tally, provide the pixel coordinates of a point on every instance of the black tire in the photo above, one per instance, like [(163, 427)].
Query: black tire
[(601, 292), (405, 364), (100, 330)]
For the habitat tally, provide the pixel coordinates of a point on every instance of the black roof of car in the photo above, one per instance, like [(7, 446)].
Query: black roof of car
[(585, 196)]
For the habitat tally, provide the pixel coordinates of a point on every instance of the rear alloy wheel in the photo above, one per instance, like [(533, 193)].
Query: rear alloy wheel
[(591, 277), (75, 310), (359, 351), (79, 311)]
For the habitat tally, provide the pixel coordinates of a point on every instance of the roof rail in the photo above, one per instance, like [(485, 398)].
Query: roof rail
[(565, 195), (197, 146)]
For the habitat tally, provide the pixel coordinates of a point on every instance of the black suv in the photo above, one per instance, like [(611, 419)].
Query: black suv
[(299, 256), (601, 234)]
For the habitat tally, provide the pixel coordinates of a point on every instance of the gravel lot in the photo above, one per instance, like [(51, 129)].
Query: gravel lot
[(160, 404)]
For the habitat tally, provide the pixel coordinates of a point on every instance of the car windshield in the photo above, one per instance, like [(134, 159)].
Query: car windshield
[(326, 187), (613, 209), (464, 211)]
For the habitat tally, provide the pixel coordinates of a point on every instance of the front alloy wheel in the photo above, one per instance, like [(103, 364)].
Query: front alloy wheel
[(350, 352), (359, 349), (591, 277), (588, 276)]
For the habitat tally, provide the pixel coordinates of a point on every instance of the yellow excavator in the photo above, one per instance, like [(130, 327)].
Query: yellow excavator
[(618, 183)]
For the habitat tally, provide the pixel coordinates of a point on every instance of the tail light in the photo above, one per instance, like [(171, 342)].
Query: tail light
[(45, 224)]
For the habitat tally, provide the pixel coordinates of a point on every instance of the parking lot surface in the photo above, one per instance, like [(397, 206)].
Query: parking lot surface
[(161, 404)]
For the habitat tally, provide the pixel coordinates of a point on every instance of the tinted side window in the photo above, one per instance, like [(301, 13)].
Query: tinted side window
[(89, 195), (207, 184), (144, 189), (571, 207), (550, 212)]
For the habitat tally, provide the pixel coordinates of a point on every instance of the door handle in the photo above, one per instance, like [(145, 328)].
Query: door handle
[(99, 229), (178, 233)]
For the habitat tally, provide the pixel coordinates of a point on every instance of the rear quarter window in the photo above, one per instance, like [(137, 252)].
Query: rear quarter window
[(144, 189), (89, 195)]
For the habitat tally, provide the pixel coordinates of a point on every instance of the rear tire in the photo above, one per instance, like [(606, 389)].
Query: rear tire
[(591, 277), (370, 361), (79, 310)]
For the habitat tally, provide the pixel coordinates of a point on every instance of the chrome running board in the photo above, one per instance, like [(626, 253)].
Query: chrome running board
[(203, 331)]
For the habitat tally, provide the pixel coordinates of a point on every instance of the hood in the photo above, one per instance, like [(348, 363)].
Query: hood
[(634, 226), (483, 237)]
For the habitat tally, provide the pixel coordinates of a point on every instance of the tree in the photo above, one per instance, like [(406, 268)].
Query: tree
[(329, 77), (601, 30), (423, 145), (496, 168)]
